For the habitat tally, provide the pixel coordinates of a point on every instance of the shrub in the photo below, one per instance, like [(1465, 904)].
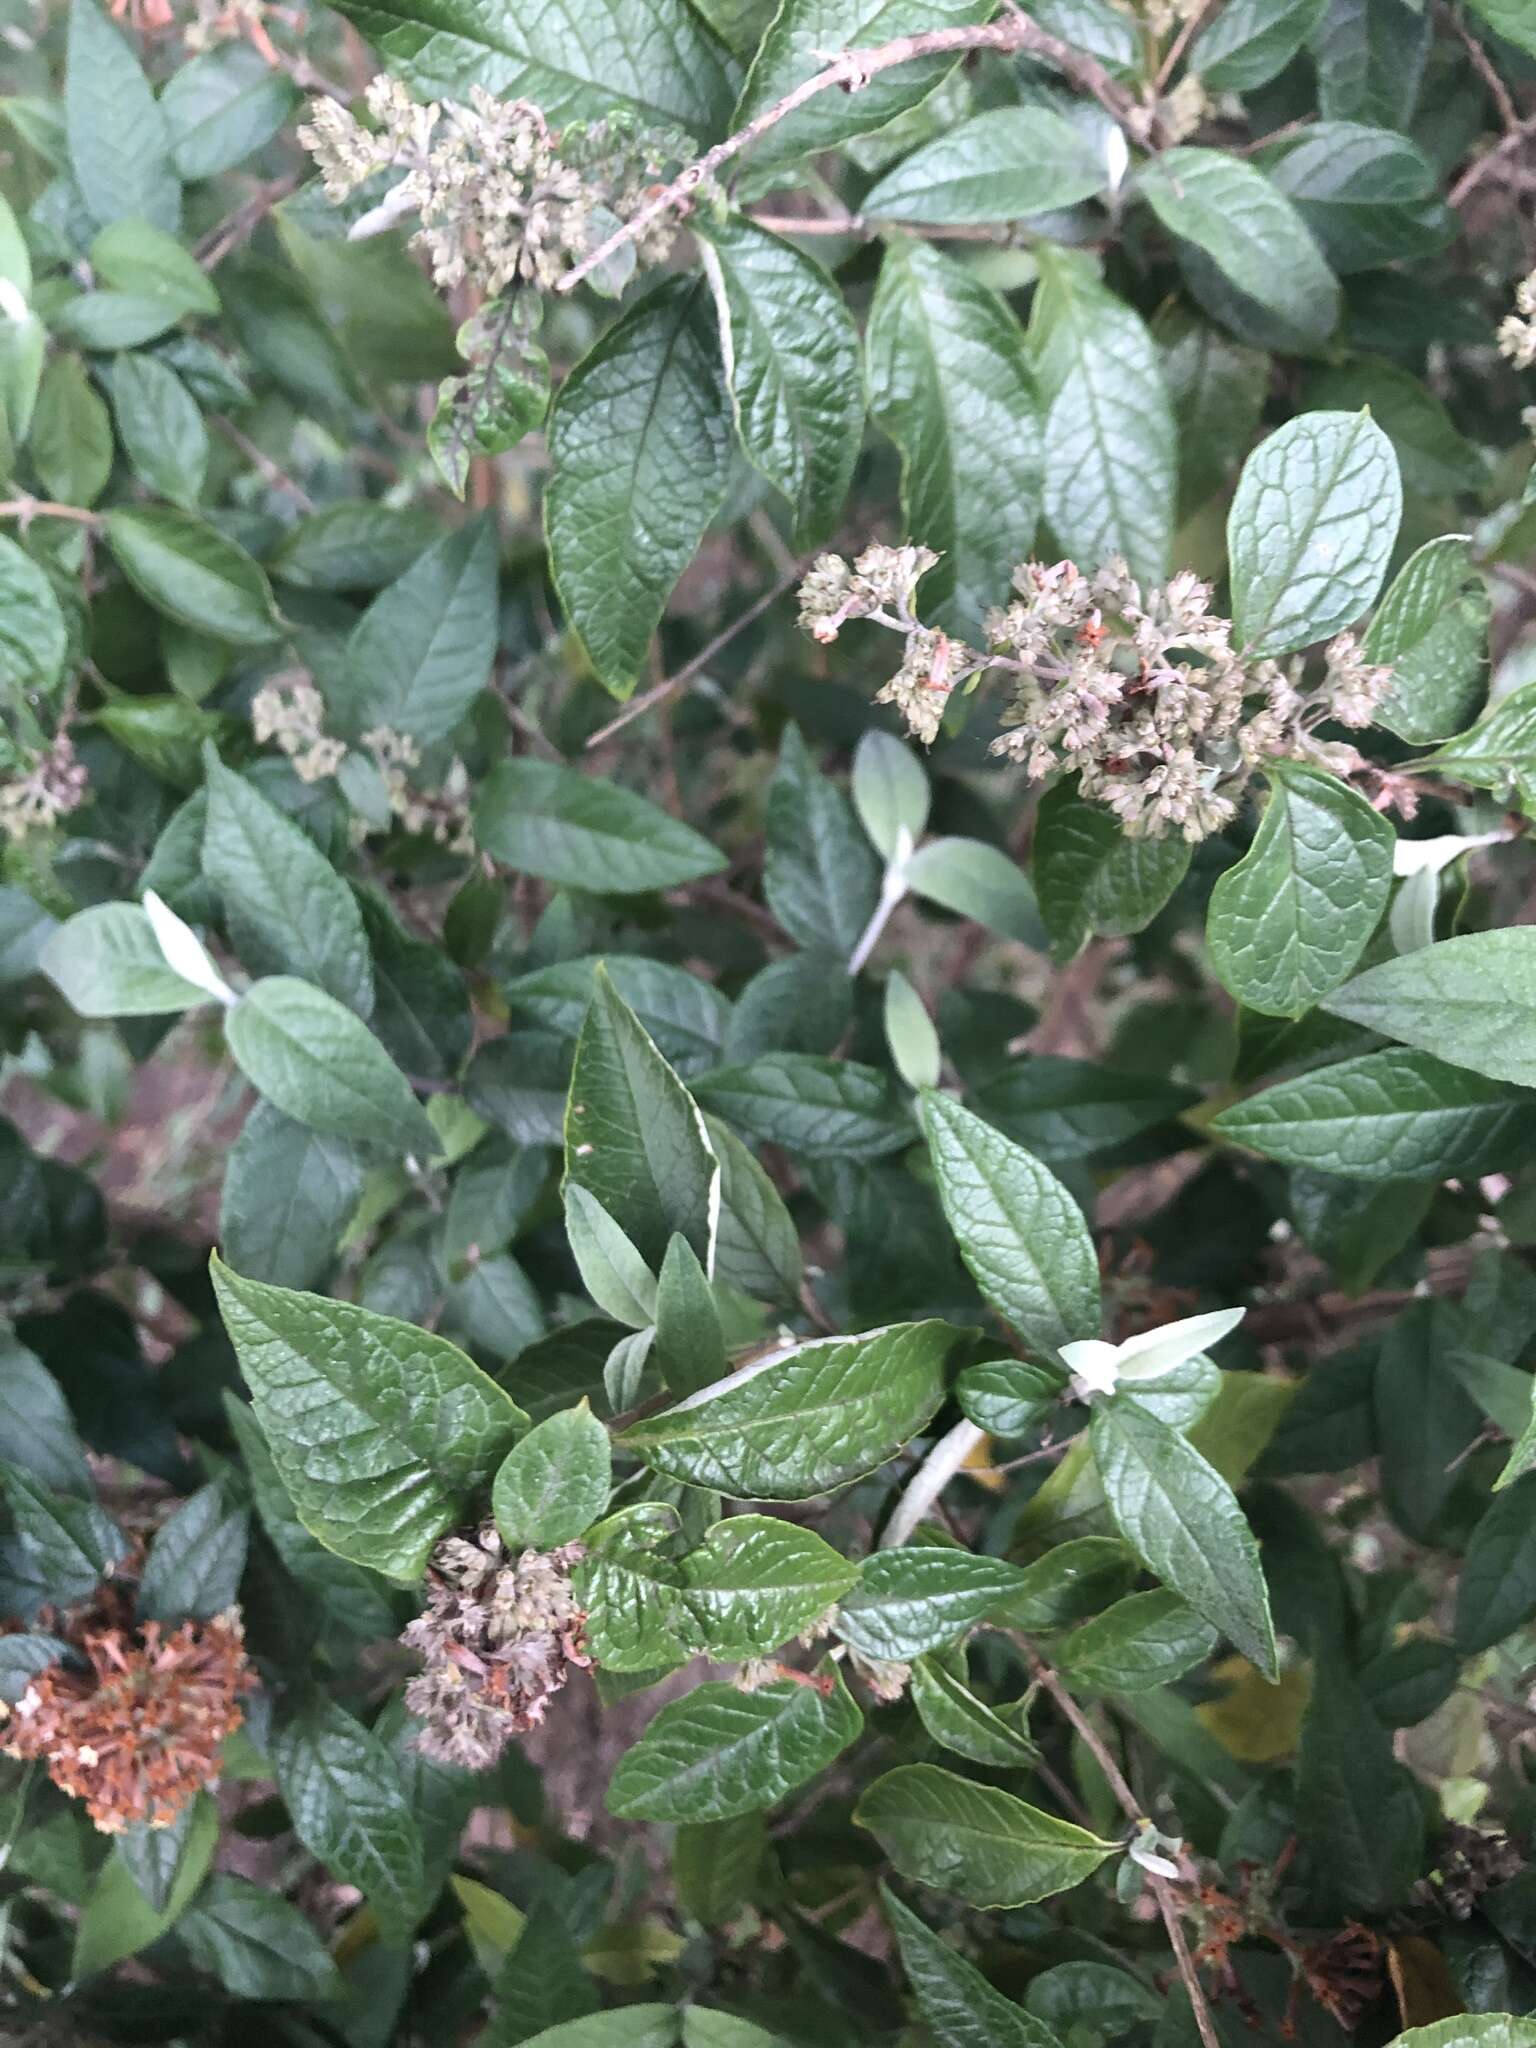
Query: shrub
[(770, 1024)]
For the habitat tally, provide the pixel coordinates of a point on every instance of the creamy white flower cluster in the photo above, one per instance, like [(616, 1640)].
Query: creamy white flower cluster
[(40, 787), (1139, 692), (501, 198), (1517, 331)]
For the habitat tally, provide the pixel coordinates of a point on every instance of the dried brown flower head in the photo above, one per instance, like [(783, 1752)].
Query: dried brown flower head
[(499, 1636), (137, 1735)]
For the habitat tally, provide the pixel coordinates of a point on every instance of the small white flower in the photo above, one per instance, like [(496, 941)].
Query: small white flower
[(184, 951), (1098, 1367)]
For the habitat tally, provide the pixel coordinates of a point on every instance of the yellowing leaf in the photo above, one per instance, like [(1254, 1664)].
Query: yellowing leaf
[(1255, 1721)]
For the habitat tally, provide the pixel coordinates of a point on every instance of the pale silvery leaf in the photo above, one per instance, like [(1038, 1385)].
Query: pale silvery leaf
[(1420, 856), (1421, 862), (184, 951), (1098, 1367), (1094, 1365), (1146, 1848)]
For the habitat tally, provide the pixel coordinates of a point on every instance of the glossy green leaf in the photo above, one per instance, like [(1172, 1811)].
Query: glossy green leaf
[(1390, 1115), (1251, 41), (1311, 530), (194, 1563), (1369, 196), (755, 1582), (957, 1719), (221, 108), (288, 1194), (1250, 230), (996, 166), (343, 1793), (1472, 1000), (1291, 919), (118, 1920), (819, 875), (193, 573), (791, 366), (961, 2009), (421, 653), (982, 1844), (719, 1752), (1090, 879), (640, 448), (815, 1108), (1357, 1808), (1019, 1231), (584, 833), (1496, 1593), (554, 1482), (1110, 453), (161, 428), (1007, 1397), (921, 1597), (318, 1063), (287, 909), (690, 1339), (379, 1431), (108, 963), (948, 382), (1498, 753), (1181, 1518), (793, 1427), (1432, 627), (119, 151), (256, 1943), (1142, 1642)]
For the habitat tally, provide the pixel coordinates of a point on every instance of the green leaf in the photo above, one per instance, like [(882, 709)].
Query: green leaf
[(221, 108), (69, 1545), (977, 881), (1251, 41), (344, 1796), (1369, 196), (154, 1855), (718, 1752), (688, 1018), (982, 1844), (1137, 1645), (108, 963), (612, 1271), (1006, 1397), (1217, 386), (1311, 530), (193, 1568), (1510, 19), (287, 909), (755, 1582), (288, 1194), (1290, 920), (890, 790), (1110, 452), (118, 1920), (1370, 58), (1486, 2029), (119, 151), (646, 58), (796, 48), (1471, 999), (949, 383), (190, 571), (956, 1718), (757, 1247), (319, 1063), (961, 2009), (1252, 233), (790, 1428), (161, 427), (1496, 1593), (1091, 879), (1074, 1579), (1066, 1109), (921, 1597), (791, 366), (553, 1483), (910, 1034), (35, 1423), (1020, 1233), (584, 833), (716, 1866), (379, 1431), (1435, 458), (690, 1340), (33, 638), (256, 1944), (421, 653), (143, 262), (1389, 1115), (639, 443), (354, 545), (628, 1590), (633, 1136), (816, 1108), (71, 440), (819, 875), (1181, 1518), (1432, 628), (1498, 753), (1357, 1808), (997, 166)]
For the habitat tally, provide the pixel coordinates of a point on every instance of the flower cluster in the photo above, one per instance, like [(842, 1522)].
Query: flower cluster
[(136, 1735), (41, 788), (1139, 693), (499, 1637), (291, 711), (501, 197), (1517, 331)]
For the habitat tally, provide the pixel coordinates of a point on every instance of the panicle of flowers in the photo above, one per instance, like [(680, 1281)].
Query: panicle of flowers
[(1138, 691), (137, 1734), (1517, 331), (499, 1637), (501, 197), (290, 710), (41, 787), (441, 814)]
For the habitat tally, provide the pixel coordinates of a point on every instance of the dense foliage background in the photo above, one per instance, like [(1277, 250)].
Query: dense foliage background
[(782, 760)]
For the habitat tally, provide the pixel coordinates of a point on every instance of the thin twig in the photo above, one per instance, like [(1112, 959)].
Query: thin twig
[(1471, 178), (669, 686), (270, 472), (242, 223), (1182, 41), (1509, 113), (852, 70), (44, 508)]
